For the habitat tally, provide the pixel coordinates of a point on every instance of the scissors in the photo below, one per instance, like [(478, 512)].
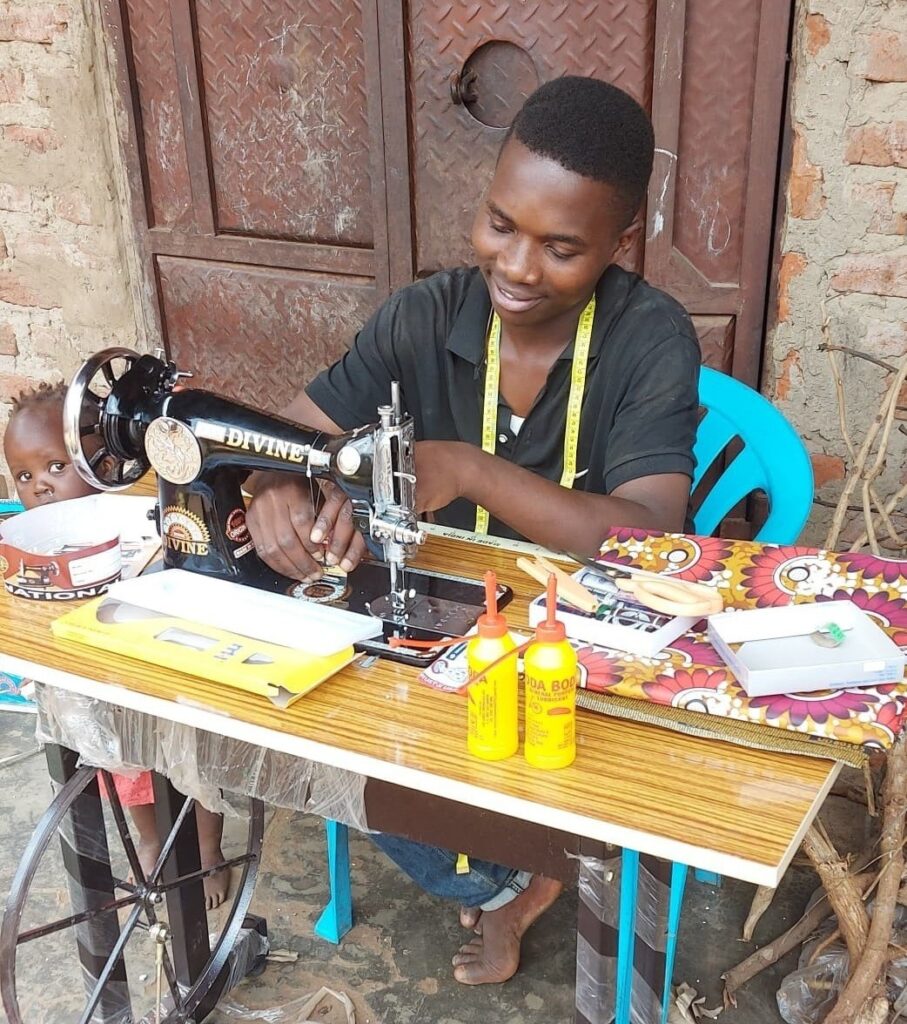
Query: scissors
[(661, 594)]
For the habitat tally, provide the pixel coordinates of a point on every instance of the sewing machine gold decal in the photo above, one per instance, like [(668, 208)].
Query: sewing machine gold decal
[(184, 532)]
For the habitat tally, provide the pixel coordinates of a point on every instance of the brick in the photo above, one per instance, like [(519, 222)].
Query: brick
[(73, 206), (36, 23), (38, 140), (873, 274), (886, 59), (782, 385), (8, 345), (18, 292), (805, 197), (45, 341), (15, 198), (827, 469), (879, 197), (818, 33), (792, 265), (13, 384), (878, 145), (12, 85)]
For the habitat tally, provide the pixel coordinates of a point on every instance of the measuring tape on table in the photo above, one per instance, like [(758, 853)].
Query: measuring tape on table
[(574, 402)]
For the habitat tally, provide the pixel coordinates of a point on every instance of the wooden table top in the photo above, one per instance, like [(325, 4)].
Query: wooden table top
[(712, 805)]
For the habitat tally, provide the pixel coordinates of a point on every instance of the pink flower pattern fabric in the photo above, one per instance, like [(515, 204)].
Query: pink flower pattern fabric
[(691, 675)]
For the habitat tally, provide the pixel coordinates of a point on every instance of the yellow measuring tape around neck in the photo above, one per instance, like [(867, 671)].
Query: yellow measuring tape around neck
[(574, 402)]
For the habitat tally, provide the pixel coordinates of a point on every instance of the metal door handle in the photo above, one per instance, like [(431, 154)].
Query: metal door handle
[(462, 88)]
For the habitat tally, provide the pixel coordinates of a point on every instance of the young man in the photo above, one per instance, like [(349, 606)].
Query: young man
[(561, 208)]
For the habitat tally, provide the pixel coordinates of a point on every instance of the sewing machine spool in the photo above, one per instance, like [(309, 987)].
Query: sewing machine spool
[(122, 416)]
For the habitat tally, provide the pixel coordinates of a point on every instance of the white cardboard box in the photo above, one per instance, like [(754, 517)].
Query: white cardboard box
[(771, 650), (628, 626)]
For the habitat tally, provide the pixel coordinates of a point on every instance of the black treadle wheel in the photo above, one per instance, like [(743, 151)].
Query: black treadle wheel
[(143, 897)]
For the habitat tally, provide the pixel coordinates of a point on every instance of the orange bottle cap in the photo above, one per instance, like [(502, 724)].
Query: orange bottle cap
[(491, 625), (551, 631)]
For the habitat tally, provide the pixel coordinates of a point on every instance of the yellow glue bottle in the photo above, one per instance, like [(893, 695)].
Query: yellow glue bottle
[(492, 700), (550, 670)]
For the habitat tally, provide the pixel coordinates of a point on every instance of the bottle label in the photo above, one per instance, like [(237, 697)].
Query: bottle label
[(550, 714)]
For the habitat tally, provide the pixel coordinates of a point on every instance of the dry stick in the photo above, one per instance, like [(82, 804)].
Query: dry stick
[(889, 404), (772, 951), (844, 896), (889, 506), (762, 900), (842, 416), (845, 433), (859, 353), (867, 978), (859, 466), (869, 492), (841, 397)]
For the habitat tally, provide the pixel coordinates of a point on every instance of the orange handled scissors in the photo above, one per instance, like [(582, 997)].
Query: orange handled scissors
[(656, 591)]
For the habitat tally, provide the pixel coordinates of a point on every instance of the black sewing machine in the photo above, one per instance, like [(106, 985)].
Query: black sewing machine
[(123, 414)]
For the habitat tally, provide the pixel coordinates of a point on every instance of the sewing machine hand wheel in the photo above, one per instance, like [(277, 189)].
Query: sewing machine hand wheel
[(98, 443)]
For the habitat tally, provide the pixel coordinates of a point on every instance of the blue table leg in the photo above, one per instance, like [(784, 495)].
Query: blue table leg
[(626, 933), (675, 905), (337, 917)]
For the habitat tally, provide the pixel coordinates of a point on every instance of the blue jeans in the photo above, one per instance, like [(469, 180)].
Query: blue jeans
[(435, 870)]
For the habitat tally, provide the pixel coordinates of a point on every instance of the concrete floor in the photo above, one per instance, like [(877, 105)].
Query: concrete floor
[(394, 964)]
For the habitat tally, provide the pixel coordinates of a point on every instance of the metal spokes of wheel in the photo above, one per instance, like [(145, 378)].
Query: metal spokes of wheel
[(99, 898)]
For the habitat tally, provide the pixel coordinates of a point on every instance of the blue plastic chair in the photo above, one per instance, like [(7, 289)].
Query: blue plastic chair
[(773, 460)]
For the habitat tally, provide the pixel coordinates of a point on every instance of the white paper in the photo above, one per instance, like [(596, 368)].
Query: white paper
[(301, 625)]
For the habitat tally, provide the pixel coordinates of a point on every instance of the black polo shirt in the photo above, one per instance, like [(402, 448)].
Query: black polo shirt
[(640, 406)]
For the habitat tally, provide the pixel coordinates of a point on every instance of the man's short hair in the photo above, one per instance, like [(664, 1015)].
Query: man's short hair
[(594, 129)]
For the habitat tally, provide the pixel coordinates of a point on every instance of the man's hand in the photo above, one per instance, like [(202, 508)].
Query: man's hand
[(288, 535), (440, 469)]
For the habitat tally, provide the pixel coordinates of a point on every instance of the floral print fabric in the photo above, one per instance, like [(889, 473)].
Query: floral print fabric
[(689, 674)]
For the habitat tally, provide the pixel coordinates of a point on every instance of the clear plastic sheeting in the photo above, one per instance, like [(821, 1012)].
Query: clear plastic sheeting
[(247, 957), (808, 994), (596, 967), (203, 765), (323, 1007)]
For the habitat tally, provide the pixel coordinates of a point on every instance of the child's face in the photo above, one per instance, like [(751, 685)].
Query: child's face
[(37, 457), (543, 237)]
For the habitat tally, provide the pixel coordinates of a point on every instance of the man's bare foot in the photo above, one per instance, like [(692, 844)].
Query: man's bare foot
[(470, 918), (494, 956), (217, 886)]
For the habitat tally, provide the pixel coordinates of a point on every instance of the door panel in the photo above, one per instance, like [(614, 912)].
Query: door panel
[(161, 144), (287, 119), (256, 160), (453, 152), (257, 333)]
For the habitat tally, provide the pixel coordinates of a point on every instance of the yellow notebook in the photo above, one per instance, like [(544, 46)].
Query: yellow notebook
[(281, 674)]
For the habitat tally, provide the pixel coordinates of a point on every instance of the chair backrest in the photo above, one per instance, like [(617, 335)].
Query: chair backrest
[(773, 459)]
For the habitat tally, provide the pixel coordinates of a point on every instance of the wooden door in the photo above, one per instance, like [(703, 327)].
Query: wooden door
[(710, 71), (256, 163), (292, 161)]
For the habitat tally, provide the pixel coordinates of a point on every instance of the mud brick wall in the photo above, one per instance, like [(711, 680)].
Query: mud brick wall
[(64, 279), (843, 248)]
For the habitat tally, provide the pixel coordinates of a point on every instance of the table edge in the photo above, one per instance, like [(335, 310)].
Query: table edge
[(212, 720)]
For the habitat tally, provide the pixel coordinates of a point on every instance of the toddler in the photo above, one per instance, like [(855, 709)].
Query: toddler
[(37, 458)]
